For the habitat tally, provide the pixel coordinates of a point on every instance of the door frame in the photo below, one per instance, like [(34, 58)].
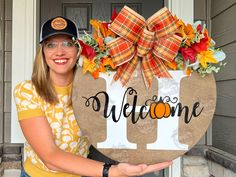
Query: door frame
[(25, 25)]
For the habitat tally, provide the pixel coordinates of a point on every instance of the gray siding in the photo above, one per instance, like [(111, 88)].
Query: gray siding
[(200, 10), (1, 79), (224, 133), (1, 67), (223, 25), (200, 14), (228, 72), (5, 69)]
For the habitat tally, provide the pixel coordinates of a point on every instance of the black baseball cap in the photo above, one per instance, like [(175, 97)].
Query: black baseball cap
[(58, 25)]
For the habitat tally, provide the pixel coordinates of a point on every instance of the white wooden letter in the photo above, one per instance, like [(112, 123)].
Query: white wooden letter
[(116, 131), (168, 128)]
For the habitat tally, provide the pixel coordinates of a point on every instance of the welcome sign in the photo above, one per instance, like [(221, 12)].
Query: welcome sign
[(129, 124), (147, 101)]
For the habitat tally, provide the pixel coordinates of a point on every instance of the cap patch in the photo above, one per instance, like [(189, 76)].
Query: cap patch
[(59, 23)]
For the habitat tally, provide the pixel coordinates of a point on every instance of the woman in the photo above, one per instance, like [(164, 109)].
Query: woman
[(54, 145)]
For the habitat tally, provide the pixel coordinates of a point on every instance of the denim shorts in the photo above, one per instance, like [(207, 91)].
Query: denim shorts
[(23, 173)]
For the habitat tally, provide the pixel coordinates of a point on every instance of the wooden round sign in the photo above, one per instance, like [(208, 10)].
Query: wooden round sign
[(138, 125)]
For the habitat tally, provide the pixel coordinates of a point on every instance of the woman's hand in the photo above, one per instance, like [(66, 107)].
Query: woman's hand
[(125, 169)]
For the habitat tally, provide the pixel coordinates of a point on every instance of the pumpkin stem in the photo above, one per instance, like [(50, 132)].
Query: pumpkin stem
[(160, 100)]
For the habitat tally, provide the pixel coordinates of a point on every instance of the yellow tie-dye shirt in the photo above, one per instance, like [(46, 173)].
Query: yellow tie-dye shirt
[(66, 132)]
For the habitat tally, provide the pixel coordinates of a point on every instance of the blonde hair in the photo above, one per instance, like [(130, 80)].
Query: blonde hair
[(40, 78)]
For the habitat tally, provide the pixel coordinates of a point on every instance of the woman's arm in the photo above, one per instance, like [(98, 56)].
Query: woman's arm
[(38, 134)]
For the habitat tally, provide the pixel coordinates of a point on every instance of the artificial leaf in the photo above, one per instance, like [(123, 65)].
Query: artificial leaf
[(88, 65), (102, 69), (205, 57), (172, 65), (180, 24), (188, 54), (114, 14), (188, 30), (188, 71), (100, 43), (95, 24), (95, 74), (200, 46), (219, 56), (87, 51), (108, 62)]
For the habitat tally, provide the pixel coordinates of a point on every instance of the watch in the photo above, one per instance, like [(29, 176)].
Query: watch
[(106, 168)]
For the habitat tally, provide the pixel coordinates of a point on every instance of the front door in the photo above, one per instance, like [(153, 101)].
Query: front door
[(81, 11)]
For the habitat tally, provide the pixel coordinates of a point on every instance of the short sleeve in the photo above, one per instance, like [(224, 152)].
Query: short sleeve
[(27, 101)]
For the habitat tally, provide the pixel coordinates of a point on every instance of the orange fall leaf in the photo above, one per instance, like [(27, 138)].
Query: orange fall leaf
[(95, 74), (171, 65)]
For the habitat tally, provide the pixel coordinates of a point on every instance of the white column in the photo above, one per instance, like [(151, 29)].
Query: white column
[(24, 35), (184, 9)]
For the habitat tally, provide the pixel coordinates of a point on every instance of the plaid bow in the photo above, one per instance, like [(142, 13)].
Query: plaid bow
[(153, 40)]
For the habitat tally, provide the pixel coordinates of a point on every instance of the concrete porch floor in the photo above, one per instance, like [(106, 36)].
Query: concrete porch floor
[(11, 173)]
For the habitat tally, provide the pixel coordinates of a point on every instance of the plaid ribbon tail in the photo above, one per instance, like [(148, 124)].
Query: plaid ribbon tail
[(161, 70), (152, 66), (125, 71)]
